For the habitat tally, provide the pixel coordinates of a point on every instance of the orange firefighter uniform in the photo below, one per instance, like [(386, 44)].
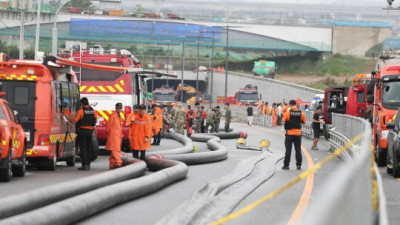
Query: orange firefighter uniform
[(159, 118), (129, 122), (114, 139), (141, 128), (274, 116)]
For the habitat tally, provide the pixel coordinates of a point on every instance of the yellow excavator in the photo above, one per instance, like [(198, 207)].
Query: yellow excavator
[(189, 93)]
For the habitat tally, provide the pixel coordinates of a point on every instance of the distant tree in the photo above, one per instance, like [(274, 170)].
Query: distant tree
[(83, 4), (139, 10)]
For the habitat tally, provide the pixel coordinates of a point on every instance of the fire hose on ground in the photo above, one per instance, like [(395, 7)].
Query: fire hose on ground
[(20, 203), (84, 205)]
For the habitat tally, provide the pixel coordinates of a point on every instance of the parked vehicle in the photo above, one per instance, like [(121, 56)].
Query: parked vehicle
[(385, 101), (13, 143), (247, 95), (264, 68), (393, 147), (105, 87), (41, 93)]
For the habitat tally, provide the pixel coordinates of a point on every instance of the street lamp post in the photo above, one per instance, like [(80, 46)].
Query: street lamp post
[(212, 68), (183, 66), (22, 35), (54, 30), (226, 63), (197, 67), (37, 39)]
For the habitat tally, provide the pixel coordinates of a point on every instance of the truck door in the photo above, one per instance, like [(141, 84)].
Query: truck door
[(334, 102), (22, 97)]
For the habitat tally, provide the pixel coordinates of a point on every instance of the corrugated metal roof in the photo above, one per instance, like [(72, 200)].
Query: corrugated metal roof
[(354, 24)]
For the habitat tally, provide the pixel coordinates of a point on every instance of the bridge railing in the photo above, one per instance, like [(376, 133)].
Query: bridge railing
[(355, 191), (279, 82), (306, 128)]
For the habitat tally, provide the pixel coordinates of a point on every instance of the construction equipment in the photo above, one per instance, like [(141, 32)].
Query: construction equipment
[(189, 93), (264, 68)]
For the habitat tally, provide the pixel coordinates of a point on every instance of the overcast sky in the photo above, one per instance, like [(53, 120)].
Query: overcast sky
[(382, 3)]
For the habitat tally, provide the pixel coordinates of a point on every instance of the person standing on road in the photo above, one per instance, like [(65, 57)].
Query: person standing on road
[(158, 124), (204, 118), (217, 118), (249, 114), (114, 137), (228, 117), (179, 118), (129, 122), (316, 126), (198, 117), (85, 119), (274, 115), (141, 133), (292, 120), (211, 121)]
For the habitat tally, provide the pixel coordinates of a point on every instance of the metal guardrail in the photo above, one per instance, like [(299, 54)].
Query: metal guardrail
[(306, 129), (344, 128), (279, 82), (351, 188)]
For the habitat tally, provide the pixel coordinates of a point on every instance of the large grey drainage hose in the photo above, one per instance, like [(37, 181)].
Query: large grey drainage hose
[(187, 142), (220, 196), (218, 153), (20, 203), (79, 207)]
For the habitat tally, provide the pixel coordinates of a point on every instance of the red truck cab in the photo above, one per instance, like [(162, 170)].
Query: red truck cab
[(12, 143)]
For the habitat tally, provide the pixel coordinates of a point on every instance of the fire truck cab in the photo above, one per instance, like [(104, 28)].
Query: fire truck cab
[(247, 95)]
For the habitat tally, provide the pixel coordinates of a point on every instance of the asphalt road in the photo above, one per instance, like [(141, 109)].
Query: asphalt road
[(151, 208)]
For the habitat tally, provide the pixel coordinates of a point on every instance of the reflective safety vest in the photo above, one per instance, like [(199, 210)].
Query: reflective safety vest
[(88, 117), (294, 120)]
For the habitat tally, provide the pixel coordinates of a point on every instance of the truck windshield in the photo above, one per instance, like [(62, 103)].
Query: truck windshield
[(248, 96), (164, 97), (391, 94), (99, 75)]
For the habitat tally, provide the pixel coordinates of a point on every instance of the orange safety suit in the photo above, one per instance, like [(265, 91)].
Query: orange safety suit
[(129, 122), (154, 124), (266, 110), (158, 113), (114, 139), (274, 116), (284, 109), (141, 128)]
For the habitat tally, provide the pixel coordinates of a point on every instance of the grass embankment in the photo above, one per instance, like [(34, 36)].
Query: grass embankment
[(312, 71)]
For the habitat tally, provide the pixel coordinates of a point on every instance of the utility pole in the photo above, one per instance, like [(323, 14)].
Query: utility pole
[(21, 30), (183, 66), (37, 39), (226, 63), (212, 68), (169, 62), (197, 67)]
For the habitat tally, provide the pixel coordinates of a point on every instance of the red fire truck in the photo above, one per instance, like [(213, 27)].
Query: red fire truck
[(104, 88), (247, 95)]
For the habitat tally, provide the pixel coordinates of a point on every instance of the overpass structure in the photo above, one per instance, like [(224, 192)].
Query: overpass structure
[(172, 32)]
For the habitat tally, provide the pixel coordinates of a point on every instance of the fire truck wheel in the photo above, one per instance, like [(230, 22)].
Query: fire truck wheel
[(381, 156), (389, 170), (52, 163), (71, 161), (5, 172), (19, 168), (396, 168), (95, 149)]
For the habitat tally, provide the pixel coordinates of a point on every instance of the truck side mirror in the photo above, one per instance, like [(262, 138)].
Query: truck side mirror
[(390, 125), (370, 99)]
